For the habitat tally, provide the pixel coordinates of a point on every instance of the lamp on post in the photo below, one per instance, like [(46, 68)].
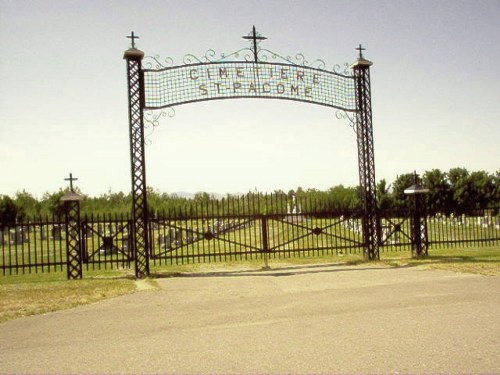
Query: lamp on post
[(419, 227)]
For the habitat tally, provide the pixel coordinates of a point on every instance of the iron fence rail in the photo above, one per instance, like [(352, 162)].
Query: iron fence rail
[(214, 232)]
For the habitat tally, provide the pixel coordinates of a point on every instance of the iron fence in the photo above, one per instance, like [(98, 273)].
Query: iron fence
[(237, 229)]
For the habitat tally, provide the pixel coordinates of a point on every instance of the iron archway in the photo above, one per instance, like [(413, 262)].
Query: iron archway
[(247, 73)]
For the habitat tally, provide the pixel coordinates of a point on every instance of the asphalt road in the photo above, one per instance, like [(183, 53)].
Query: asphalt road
[(333, 319)]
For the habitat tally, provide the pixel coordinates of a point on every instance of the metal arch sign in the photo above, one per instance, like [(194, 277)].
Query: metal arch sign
[(232, 76), (203, 81)]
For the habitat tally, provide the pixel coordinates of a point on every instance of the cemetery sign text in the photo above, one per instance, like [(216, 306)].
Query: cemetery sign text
[(247, 79)]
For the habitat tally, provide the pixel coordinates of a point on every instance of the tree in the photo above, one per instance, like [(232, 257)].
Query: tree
[(399, 198), (8, 211), (384, 200), (344, 198), (481, 189), (27, 204), (51, 204), (439, 198)]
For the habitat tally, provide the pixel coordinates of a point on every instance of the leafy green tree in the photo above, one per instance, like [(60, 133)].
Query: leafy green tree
[(51, 204), (344, 198), (439, 198), (8, 211), (481, 189), (27, 204), (399, 198), (384, 200)]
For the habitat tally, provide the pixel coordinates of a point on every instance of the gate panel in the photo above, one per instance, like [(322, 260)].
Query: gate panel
[(315, 234), (205, 239), (107, 242)]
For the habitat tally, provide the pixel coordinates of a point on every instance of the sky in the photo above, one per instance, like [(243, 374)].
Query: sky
[(64, 108)]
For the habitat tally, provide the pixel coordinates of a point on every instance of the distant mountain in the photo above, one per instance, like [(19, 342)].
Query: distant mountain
[(183, 194)]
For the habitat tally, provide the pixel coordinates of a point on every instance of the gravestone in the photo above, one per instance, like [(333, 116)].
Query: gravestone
[(189, 236), (108, 247), (43, 233), (56, 232), (168, 242), (178, 237), (16, 237), (161, 240)]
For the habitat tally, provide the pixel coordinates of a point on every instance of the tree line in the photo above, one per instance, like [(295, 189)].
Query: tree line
[(449, 192)]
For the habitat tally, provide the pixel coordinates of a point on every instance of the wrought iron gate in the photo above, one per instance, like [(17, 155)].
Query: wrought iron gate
[(253, 72)]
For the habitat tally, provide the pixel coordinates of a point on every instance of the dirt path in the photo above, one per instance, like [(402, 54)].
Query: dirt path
[(312, 319)]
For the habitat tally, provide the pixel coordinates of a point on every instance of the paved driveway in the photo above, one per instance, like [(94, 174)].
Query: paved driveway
[(333, 319)]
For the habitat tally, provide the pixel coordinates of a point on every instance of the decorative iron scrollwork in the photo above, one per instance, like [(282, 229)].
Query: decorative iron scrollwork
[(154, 62), (245, 55), (152, 117), (343, 115), (152, 120), (344, 69)]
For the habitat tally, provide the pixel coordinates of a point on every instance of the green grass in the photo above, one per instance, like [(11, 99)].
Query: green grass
[(476, 260), (24, 295)]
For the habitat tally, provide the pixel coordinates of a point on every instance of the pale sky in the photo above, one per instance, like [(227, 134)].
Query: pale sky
[(63, 93)]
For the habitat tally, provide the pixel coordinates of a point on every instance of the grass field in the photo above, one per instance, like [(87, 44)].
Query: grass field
[(24, 295)]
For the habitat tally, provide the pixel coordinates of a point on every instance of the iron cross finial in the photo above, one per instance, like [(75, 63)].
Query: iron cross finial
[(71, 179), (133, 37), (360, 49), (254, 36)]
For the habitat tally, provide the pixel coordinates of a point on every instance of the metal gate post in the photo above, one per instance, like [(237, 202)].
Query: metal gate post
[(140, 239), (420, 242), (366, 155), (265, 241), (419, 238), (73, 235)]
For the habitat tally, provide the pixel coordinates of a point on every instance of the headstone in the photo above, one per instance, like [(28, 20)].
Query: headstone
[(178, 237), (25, 234), (168, 242), (43, 233), (16, 236), (108, 247), (487, 221), (125, 244), (161, 240), (56, 232), (189, 236)]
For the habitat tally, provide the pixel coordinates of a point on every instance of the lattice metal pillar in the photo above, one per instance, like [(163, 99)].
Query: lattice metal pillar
[(140, 239), (366, 155), (74, 264)]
